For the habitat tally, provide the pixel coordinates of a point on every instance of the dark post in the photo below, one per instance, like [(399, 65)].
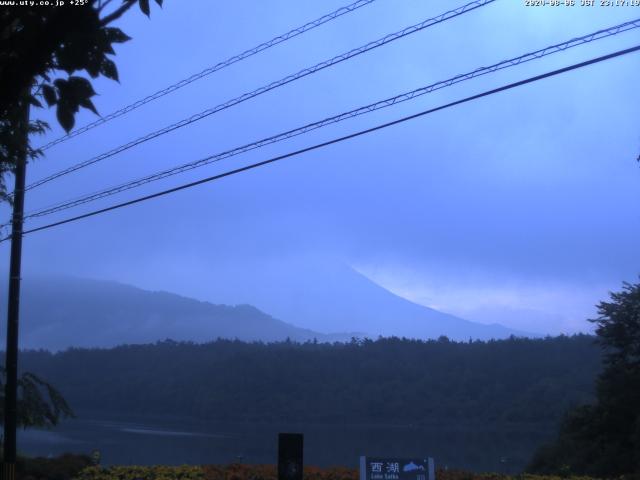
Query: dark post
[(11, 360), (290, 448)]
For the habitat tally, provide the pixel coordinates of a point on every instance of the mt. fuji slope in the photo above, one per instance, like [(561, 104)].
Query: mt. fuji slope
[(333, 297)]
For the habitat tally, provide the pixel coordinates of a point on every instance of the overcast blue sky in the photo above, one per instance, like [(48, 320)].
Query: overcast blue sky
[(520, 208)]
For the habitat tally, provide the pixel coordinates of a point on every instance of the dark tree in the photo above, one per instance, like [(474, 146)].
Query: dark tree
[(39, 403), (604, 439), (41, 51)]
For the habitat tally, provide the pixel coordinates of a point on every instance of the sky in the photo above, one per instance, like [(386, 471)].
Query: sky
[(520, 208)]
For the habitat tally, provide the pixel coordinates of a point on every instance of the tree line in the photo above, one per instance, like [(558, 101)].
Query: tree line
[(602, 438), (390, 380)]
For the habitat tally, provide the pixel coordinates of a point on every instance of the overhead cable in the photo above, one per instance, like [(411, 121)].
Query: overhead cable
[(335, 140), (208, 71), (559, 47), (264, 89)]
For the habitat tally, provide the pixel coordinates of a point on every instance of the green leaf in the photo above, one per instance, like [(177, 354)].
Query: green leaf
[(38, 126), (74, 92), (35, 102), (93, 65), (73, 54), (115, 35), (60, 83), (144, 6), (81, 87), (88, 104), (49, 94), (109, 70), (65, 116), (104, 44)]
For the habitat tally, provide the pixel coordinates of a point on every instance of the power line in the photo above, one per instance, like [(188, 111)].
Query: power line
[(208, 71), (264, 89), (600, 34), (338, 140)]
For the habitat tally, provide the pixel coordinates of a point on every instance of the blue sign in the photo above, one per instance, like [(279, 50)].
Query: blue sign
[(374, 468)]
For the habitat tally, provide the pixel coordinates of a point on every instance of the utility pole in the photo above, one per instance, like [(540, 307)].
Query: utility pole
[(11, 361)]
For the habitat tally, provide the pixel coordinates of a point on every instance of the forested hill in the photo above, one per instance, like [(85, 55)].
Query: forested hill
[(385, 381)]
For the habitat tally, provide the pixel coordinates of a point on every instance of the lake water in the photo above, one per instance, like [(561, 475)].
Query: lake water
[(126, 440)]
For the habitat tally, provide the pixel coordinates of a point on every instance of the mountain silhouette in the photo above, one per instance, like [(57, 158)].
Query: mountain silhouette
[(302, 301), (61, 312), (329, 296)]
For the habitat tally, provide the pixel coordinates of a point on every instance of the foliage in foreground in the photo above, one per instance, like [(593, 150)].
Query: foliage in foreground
[(603, 439), (269, 472), (39, 404), (64, 467), (42, 47), (75, 467)]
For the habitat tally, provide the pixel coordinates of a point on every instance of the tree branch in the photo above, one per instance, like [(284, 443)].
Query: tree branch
[(102, 5), (118, 12)]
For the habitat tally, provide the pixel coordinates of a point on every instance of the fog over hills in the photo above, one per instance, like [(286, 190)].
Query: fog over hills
[(326, 295), (335, 305), (59, 312)]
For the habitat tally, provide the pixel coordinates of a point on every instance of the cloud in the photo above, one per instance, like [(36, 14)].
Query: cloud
[(521, 202), (547, 307)]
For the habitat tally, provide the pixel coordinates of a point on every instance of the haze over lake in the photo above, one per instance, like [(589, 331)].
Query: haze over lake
[(150, 441)]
